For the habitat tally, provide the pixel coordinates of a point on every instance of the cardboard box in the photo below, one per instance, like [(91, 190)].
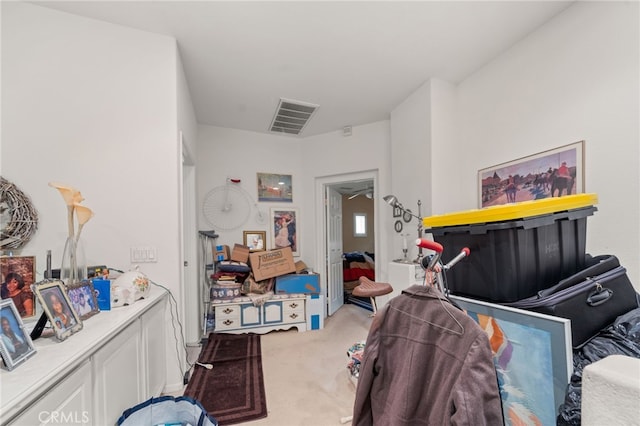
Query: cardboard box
[(220, 253), (298, 283), (300, 266), (315, 312), (272, 263), (240, 253)]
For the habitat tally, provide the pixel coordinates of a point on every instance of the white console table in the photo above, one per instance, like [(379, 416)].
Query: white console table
[(402, 276), (240, 315), (116, 361)]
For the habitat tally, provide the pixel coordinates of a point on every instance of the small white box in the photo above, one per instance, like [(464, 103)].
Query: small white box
[(315, 312)]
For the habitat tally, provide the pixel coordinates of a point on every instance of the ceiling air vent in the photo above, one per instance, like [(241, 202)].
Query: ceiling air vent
[(291, 116)]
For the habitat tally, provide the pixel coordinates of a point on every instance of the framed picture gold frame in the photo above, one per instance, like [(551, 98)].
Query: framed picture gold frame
[(255, 240), (552, 173), (18, 273), (16, 345), (57, 306)]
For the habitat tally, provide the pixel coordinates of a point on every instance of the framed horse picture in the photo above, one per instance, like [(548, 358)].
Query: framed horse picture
[(551, 173)]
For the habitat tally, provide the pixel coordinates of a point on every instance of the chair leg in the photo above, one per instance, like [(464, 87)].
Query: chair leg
[(374, 306)]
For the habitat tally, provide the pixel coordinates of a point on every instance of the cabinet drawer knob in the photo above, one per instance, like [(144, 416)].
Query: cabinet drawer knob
[(293, 316), (294, 305), (227, 322), (227, 311)]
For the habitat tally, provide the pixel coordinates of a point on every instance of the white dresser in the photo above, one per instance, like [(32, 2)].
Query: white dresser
[(116, 361), (240, 315)]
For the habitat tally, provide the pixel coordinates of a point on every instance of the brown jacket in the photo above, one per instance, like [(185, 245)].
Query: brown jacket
[(426, 363)]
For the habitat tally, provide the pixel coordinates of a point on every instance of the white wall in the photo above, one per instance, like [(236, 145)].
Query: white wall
[(93, 105), (226, 153), (333, 158), (229, 153), (576, 78)]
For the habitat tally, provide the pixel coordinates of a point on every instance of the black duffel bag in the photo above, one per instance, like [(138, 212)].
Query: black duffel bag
[(592, 298)]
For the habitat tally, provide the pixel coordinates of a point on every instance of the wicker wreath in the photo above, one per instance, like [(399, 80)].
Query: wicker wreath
[(19, 217)]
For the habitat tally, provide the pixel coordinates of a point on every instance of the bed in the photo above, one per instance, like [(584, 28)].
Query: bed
[(357, 264)]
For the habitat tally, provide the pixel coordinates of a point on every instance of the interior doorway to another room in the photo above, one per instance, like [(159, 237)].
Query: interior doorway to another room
[(346, 196)]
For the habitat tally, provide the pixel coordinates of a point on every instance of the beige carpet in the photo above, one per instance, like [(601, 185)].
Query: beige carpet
[(305, 374)]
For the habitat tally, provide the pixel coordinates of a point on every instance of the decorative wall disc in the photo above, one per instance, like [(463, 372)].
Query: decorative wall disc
[(19, 216)]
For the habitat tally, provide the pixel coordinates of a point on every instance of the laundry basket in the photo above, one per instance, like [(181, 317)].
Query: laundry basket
[(167, 410)]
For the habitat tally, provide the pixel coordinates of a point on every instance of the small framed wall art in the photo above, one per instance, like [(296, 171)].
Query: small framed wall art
[(15, 345), (285, 225), (275, 187), (57, 306)]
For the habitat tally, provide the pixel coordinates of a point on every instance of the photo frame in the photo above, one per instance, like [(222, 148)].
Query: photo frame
[(57, 306), (83, 299), (397, 211), (18, 273), (255, 240), (275, 187), (532, 354), (537, 176), (16, 345), (285, 223)]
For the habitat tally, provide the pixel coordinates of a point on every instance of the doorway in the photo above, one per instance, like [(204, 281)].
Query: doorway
[(330, 193)]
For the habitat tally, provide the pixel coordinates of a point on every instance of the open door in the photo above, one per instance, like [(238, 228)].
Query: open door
[(333, 214)]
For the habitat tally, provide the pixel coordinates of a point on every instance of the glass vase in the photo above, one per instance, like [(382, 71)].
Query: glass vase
[(74, 267)]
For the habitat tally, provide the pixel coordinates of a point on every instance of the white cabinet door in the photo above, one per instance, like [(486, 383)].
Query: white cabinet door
[(154, 350), (272, 313), (117, 375), (69, 402)]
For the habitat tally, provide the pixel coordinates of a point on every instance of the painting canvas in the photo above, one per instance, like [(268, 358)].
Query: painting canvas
[(18, 274), (275, 187), (552, 173), (533, 359), (285, 225)]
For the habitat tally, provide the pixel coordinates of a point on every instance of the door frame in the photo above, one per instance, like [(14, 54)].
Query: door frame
[(321, 183)]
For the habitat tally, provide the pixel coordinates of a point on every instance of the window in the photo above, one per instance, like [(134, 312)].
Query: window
[(359, 224)]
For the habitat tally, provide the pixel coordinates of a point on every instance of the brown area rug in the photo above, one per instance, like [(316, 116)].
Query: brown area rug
[(233, 391)]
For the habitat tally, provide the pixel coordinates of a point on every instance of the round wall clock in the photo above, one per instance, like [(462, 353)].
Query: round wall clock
[(398, 226), (406, 216)]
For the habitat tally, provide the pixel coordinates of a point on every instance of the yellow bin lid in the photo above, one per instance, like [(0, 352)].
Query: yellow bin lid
[(512, 211)]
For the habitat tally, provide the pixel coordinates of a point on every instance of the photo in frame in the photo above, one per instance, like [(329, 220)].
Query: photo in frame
[(553, 173), (284, 231), (16, 345), (83, 299), (255, 240), (532, 355), (275, 187), (18, 273), (57, 306), (397, 211)]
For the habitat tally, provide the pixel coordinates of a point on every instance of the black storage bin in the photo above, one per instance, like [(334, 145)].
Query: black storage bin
[(514, 259)]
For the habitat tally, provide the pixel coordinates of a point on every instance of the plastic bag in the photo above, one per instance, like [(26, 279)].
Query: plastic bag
[(167, 410), (620, 338)]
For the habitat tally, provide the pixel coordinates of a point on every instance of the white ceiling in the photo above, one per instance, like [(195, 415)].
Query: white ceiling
[(358, 60)]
